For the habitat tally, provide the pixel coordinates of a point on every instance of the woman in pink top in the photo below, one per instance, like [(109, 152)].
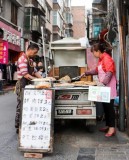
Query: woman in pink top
[(106, 74)]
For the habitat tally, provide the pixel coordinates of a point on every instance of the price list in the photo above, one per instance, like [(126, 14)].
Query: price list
[(36, 119)]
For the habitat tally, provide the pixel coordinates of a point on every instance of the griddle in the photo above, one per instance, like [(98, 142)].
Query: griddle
[(71, 71)]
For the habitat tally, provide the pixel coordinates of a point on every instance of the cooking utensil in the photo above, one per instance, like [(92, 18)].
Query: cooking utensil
[(76, 78)]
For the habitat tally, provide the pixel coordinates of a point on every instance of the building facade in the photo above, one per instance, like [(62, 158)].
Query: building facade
[(21, 25), (38, 13), (79, 24), (99, 13), (68, 19), (11, 24), (58, 19), (62, 19), (34, 18)]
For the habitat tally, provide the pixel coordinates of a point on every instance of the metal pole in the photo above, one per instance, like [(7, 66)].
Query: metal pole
[(45, 64), (88, 26), (128, 83)]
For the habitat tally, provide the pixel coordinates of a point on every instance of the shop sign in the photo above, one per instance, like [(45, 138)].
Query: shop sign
[(3, 52), (11, 37)]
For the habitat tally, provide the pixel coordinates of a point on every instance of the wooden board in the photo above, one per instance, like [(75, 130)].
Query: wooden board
[(37, 121), (33, 155)]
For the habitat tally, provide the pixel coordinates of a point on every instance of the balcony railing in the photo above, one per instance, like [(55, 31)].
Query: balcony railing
[(33, 20), (42, 3), (34, 3), (30, 3), (50, 3)]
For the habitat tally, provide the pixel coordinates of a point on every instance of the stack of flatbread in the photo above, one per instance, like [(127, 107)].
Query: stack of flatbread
[(64, 85), (45, 85), (65, 79), (44, 79), (84, 83)]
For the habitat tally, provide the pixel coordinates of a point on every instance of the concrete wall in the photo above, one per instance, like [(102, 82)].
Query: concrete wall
[(79, 25), (21, 14), (62, 58), (49, 22), (6, 12)]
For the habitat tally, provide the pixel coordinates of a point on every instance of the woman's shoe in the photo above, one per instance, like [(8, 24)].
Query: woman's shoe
[(110, 134), (104, 129)]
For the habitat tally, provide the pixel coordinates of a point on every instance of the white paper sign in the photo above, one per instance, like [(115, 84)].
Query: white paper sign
[(99, 94), (36, 119)]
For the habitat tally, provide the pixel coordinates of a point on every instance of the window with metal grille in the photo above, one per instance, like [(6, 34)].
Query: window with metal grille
[(14, 13)]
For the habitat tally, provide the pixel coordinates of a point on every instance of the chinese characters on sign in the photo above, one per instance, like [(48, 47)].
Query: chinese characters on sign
[(3, 52), (36, 119), (99, 94), (11, 37)]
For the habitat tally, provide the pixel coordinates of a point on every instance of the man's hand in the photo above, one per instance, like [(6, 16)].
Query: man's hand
[(29, 77)]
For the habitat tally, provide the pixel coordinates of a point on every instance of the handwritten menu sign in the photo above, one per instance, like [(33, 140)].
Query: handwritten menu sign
[(99, 94), (36, 122)]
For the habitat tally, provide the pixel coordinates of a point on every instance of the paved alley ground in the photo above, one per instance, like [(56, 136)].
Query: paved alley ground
[(71, 142)]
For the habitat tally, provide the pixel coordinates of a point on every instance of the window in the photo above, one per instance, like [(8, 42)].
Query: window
[(28, 18), (48, 14), (69, 18), (14, 13), (68, 3), (56, 18), (33, 19), (97, 29)]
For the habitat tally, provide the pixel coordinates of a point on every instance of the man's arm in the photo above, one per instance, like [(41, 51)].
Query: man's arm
[(28, 76), (36, 74)]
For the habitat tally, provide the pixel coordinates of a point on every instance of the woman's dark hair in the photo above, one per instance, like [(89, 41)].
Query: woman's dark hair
[(102, 47), (33, 46), (98, 46)]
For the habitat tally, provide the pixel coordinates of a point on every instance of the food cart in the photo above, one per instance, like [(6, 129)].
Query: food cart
[(71, 102)]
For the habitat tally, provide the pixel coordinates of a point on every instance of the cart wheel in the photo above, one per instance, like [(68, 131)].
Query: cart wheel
[(90, 125)]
